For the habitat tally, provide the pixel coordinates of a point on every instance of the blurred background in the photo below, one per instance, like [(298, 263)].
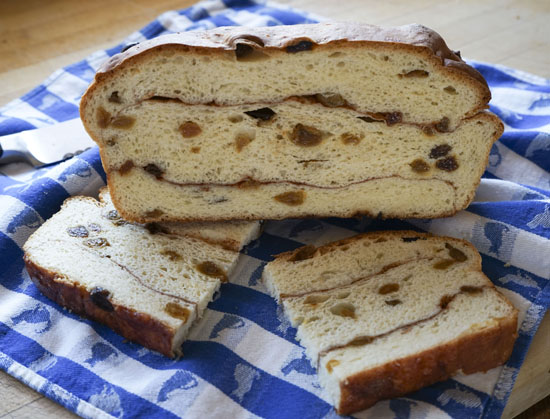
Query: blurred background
[(38, 37)]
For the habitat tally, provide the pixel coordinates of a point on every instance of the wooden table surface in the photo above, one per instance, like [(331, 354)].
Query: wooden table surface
[(38, 37)]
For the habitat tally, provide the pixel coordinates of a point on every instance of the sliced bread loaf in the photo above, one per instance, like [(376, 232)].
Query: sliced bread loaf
[(324, 120), (386, 313), (148, 283)]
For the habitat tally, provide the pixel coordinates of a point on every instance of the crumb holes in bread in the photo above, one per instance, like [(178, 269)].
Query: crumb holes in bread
[(393, 302), (342, 295), (440, 150), (391, 118), (171, 254), (456, 254), (369, 119), (177, 311), (428, 130), (331, 100), (443, 125), (306, 136), (315, 299), (469, 289), (419, 166), (443, 264), (300, 46), (249, 183), (103, 117), (388, 288), (361, 340), (263, 114), (126, 167), (195, 150), (343, 310), (293, 198), (303, 253), (242, 141), (78, 231), (235, 118), (189, 129), (448, 164), (331, 364), (155, 228), (407, 278), (416, 74), (154, 170), (209, 268), (312, 319), (123, 122), (348, 138), (247, 53), (100, 297), (114, 98), (154, 213), (378, 240), (409, 239), (97, 242), (451, 90)]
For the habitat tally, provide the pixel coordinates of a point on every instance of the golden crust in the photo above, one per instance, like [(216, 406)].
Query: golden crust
[(492, 347), (133, 325)]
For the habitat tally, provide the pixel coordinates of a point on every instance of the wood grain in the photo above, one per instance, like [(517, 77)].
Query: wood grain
[(38, 37)]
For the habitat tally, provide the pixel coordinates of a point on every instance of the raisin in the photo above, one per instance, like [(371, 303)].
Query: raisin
[(428, 130), (409, 239), (126, 167), (242, 50), (300, 46), (154, 170), (173, 256), (443, 264), (361, 340), (211, 269), (415, 74), (189, 129), (471, 289), (331, 100), (100, 298), (103, 118), (155, 228), (303, 253), (393, 118), (449, 164), (123, 122), (388, 288), (264, 114), (306, 136), (443, 125), (348, 138), (94, 227), (112, 215), (114, 98), (393, 302), (440, 150), (444, 301), (293, 199), (177, 311), (420, 166), (97, 242), (456, 254), (78, 231), (330, 364)]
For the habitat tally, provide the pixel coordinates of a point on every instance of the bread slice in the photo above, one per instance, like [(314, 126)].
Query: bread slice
[(148, 283), (386, 313), (254, 123)]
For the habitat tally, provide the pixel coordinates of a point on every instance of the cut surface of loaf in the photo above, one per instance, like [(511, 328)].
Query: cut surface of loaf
[(149, 283), (386, 313), (253, 123)]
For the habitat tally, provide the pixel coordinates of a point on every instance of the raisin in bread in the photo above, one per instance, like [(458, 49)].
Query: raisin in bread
[(386, 313), (326, 120), (149, 283)]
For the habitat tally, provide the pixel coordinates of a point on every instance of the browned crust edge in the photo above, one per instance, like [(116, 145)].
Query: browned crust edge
[(481, 351), (135, 326)]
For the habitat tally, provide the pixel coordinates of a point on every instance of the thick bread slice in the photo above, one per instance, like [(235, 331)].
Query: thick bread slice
[(244, 123), (148, 283), (407, 70), (386, 313)]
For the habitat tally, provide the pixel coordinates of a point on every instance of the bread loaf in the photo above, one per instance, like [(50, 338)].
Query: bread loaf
[(326, 120), (149, 283), (386, 313)]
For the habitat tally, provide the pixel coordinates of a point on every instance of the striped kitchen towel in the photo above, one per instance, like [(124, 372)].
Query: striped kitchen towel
[(243, 359)]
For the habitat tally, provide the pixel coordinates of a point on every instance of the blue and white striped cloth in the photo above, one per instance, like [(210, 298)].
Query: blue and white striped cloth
[(243, 360)]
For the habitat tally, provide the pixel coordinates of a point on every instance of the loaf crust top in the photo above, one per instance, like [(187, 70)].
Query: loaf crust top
[(415, 36)]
